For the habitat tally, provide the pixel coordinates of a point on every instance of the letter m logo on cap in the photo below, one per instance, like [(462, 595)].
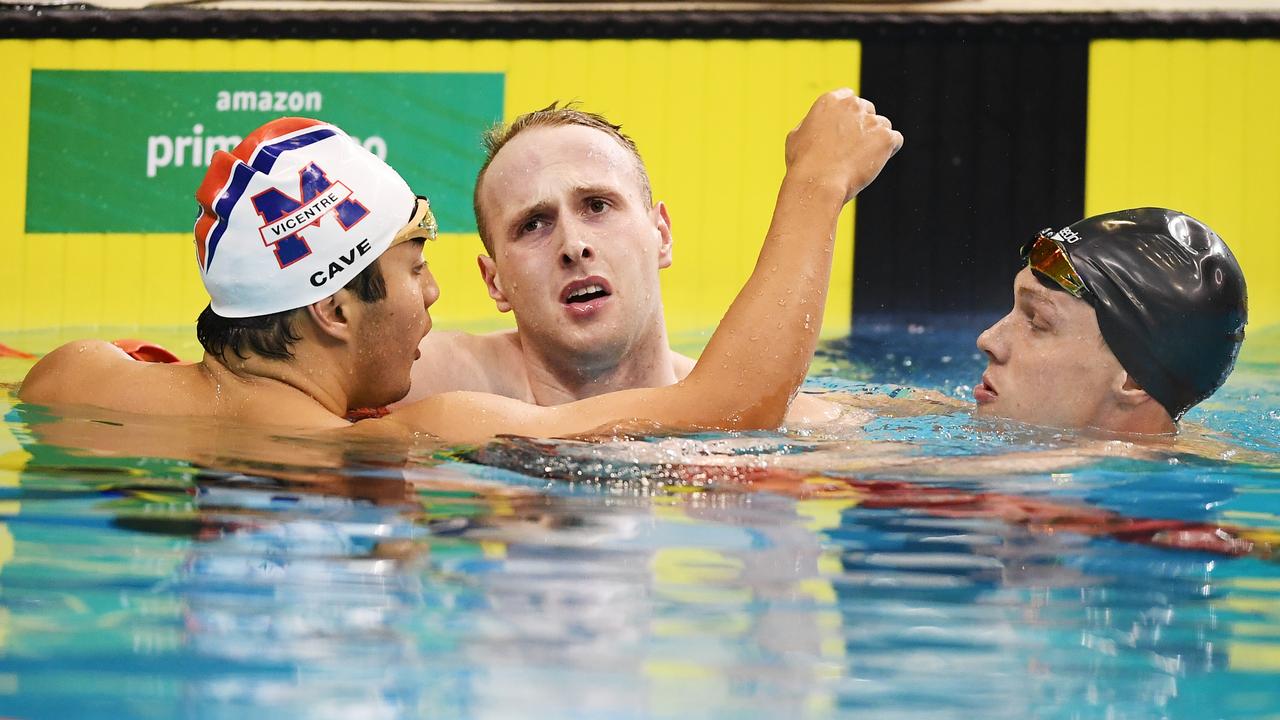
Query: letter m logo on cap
[(284, 216)]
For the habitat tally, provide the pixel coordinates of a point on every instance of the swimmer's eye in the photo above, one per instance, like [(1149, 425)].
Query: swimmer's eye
[(597, 205), (531, 225)]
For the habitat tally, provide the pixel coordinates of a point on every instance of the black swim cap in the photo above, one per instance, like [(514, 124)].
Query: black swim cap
[(1169, 295)]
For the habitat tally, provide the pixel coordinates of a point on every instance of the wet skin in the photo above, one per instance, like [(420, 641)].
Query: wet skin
[(837, 150), (382, 355), (567, 213), (577, 247), (1048, 364)]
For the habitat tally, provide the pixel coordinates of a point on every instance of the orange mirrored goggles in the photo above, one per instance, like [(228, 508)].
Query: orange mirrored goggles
[(1046, 257)]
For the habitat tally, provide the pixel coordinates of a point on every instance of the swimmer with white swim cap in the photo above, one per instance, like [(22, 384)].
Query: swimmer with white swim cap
[(311, 250)]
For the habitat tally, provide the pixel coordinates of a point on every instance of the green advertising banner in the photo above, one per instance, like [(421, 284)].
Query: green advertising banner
[(123, 152)]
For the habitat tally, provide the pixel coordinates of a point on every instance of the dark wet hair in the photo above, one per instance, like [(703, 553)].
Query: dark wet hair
[(272, 336)]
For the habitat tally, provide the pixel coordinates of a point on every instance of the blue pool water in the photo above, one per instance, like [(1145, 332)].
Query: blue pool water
[(892, 571)]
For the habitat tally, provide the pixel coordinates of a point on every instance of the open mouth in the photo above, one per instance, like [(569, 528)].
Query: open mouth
[(584, 291)]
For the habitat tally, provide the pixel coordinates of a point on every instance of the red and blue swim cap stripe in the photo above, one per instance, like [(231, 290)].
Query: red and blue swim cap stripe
[(229, 175)]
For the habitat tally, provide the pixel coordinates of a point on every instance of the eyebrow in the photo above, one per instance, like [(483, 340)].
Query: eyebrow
[(546, 207), (542, 207), (1040, 296), (596, 190)]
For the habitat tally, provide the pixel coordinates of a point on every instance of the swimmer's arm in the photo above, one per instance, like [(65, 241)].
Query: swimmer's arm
[(747, 376), (903, 402), (807, 409)]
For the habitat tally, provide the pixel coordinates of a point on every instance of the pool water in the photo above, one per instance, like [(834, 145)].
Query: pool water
[(930, 566)]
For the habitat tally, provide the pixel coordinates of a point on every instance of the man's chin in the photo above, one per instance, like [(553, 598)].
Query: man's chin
[(389, 398), (993, 409), (594, 345)]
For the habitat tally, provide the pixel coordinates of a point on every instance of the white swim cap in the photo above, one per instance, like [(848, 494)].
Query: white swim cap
[(295, 212)]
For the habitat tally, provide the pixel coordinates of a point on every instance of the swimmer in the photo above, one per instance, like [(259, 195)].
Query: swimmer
[(311, 250), (587, 221), (574, 243), (1121, 322)]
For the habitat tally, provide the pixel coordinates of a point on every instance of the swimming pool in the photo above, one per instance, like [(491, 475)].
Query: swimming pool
[(155, 570)]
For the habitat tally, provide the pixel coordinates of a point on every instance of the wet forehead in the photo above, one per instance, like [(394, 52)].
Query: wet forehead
[(1027, 286), (540, 164)]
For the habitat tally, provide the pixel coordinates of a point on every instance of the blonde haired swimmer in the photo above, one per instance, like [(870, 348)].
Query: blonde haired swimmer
[(311, 250)]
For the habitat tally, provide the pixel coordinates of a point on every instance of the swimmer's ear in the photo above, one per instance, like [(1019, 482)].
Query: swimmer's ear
[(332, 315), (489, 273), (663, 220), (1131, 394)]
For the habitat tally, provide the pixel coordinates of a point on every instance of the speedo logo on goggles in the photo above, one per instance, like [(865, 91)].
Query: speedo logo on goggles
[(1045, 256)]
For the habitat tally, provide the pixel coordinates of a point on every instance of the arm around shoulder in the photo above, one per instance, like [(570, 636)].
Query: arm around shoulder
[(746, 377), (475, 417)]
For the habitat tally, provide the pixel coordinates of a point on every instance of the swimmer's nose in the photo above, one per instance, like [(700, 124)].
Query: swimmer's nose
[(990, 341), (430, 291), (575, 247)]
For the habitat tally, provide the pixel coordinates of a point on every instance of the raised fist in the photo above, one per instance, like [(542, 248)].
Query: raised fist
[(843, 142)]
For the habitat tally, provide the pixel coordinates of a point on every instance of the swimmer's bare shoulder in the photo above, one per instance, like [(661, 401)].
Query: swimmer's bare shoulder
[(94, 372), (97, 373), (682, 364), (454, 360)]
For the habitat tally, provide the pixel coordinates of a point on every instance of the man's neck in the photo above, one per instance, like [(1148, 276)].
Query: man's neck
[(557, 376), (315, 382), (1147, 418)]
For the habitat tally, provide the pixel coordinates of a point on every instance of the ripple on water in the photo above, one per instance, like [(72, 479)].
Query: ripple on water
[(154, 570)]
